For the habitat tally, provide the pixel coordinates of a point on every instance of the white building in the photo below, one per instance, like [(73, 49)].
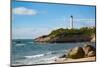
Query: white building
[(71, 22)]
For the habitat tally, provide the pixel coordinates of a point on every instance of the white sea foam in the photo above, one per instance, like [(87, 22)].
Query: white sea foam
[(30, 61), (42, 59), (20, 44), (48, 53), (34, 56), (39, 55)]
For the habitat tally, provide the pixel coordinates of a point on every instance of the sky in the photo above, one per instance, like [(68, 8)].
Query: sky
[(31, 20)]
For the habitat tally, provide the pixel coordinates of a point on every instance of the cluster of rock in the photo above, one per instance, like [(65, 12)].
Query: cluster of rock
[(89, 51), (81, 52)]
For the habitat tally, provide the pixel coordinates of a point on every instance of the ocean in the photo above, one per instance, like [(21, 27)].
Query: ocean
[(29, 52)]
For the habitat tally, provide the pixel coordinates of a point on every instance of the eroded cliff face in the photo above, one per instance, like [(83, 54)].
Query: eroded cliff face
[(43, 39), (69, 35), (63, 39)]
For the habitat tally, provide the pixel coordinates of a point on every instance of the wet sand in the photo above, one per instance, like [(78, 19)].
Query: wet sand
[(68, 60)]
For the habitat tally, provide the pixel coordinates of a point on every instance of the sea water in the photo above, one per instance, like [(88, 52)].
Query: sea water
[(27, 51)]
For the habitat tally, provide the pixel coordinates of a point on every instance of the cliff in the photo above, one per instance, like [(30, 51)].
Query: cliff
[(69, 35)]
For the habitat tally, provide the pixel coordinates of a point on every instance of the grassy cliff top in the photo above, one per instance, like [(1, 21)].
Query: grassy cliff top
[(82, 31), (61, 35)]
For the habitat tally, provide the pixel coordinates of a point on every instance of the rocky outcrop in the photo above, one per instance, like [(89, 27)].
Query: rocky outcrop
[(69, 35), (91, 54), (87, 49), (63, 39), (93, 38), (81, 52), (42, 39), (76, 52)]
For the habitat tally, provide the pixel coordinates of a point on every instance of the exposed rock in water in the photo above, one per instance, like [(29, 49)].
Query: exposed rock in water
[(76, 53), (63, 56), (88, 48)]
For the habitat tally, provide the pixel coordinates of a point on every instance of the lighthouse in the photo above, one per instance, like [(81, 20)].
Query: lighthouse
[(71, 22)]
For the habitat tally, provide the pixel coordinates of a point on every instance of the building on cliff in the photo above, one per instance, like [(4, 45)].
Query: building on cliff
[(71, 22)]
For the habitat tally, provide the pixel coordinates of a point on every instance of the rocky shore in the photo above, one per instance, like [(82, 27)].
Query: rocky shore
[(64, 39), (78, 54), (68, 35)]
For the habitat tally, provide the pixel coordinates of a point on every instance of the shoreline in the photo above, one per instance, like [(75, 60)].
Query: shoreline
[(64, 61), (69, 60), (85, 53)]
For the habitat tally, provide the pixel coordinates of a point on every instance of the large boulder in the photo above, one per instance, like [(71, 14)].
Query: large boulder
[(91, 54), (88, 48), (76, 53)]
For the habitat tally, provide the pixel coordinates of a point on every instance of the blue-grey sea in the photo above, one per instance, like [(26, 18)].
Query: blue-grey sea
[(27, 52)]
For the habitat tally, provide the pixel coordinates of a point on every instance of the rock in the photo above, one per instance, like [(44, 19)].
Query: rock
[(87, 48), (91, 54), (76, 53), (93, 38), (63, 56)]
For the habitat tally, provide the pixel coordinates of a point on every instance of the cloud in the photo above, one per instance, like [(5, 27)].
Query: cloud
[(24, 11), (86, 20), (30, 33)]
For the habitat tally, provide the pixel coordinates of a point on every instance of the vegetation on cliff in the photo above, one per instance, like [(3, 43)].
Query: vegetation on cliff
[(68, 32), (69, 35)]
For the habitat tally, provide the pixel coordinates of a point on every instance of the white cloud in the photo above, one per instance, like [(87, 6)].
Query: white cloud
[(24, 33), (24, 11), (86, 20)]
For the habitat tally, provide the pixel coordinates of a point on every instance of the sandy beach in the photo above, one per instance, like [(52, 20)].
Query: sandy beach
[(68, 60)]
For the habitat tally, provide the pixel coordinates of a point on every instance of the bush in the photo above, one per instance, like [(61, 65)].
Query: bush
[(82, 31)]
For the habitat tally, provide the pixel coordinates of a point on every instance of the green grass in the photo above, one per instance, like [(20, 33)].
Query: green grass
[(82, 31)]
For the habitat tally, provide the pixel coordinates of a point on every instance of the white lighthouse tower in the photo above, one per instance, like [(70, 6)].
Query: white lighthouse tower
[(71, 22)]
